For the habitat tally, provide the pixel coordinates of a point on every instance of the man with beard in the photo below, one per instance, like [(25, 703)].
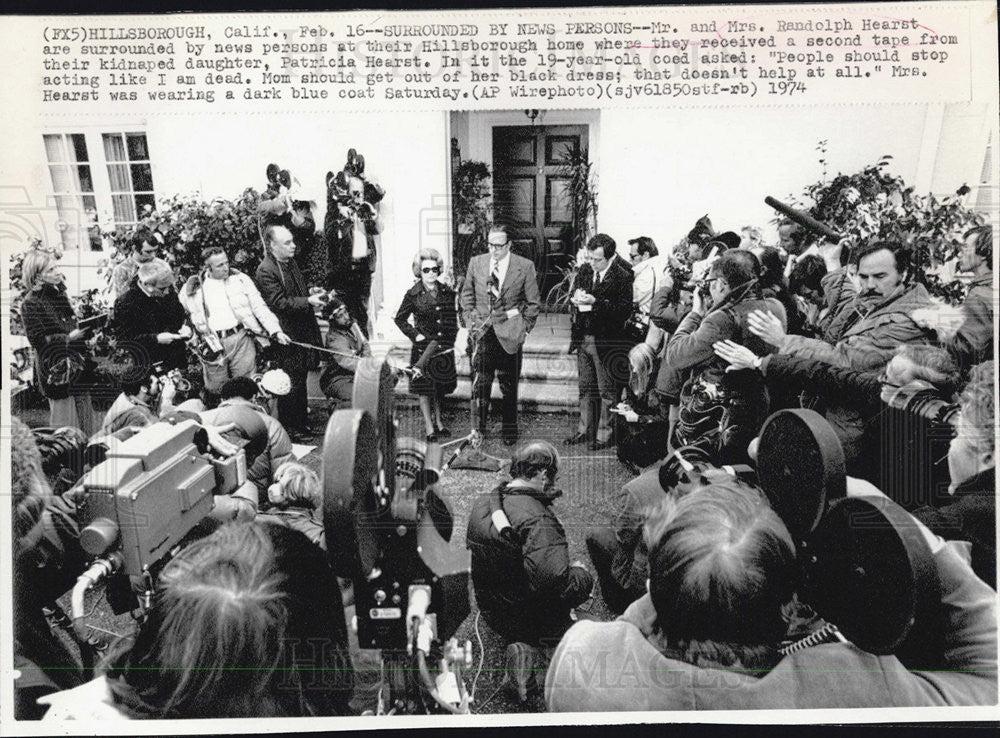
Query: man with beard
[(870, 329)]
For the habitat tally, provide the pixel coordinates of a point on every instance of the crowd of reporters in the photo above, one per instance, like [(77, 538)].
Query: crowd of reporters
[(722, 337)]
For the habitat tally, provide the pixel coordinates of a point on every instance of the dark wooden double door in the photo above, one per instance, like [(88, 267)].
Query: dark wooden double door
[(531, 193)]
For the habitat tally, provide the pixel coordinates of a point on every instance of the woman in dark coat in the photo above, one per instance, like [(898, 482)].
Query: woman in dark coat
[(62, 363), (432, 305)]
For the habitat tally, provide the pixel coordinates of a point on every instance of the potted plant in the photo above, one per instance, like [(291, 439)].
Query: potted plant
[(472, 207)]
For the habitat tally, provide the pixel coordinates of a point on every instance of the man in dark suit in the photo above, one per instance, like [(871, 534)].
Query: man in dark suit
[(603, 353), (285, 291), (500, 303)]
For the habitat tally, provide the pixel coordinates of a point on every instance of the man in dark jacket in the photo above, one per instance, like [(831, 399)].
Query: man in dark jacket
[(525, 584), (971, 516), (285, 291), (721, 411), (277, 207), (350, 227), (602, 357), (149, 319)]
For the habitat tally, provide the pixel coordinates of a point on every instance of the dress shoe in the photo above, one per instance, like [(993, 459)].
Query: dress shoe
[(600, 445), (575, 439), (443, 432), (432, 438)]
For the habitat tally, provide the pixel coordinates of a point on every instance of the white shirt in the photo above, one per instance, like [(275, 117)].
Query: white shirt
[(359, 249), (218, 312), (649, 277), (503, 264)]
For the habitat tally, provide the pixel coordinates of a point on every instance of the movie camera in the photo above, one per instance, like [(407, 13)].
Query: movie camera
[(389, 530), (916, 427), (144, 493), (350, 190), (865, 566)]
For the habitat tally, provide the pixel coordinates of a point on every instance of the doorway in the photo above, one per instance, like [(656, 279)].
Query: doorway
[(532, 196)]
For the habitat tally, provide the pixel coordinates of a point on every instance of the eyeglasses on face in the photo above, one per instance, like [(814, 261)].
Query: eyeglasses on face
[(431, 270)]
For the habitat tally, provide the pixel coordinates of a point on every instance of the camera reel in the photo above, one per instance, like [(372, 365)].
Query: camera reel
[(866, 566), (389, 531)]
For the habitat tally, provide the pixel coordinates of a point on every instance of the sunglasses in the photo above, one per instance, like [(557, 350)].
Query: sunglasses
[(431, 270)]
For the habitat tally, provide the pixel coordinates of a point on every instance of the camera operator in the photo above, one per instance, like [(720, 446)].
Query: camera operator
[(972, 464), (247, 622), (721, 411), (151, 318), (240, 393), (344, 336), (854, 399), (225, 308), (524, 580), (723, 578), (61, 355), (141, 402), (47, 559), (278, 205), (968, 331)]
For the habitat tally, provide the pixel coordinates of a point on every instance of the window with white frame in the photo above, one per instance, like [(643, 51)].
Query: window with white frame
[(98, 176), (127, 156)]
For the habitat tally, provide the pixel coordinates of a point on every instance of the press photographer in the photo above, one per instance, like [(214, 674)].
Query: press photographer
[(723, 626)]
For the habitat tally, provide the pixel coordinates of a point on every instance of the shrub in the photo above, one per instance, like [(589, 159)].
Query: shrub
[(873, 204)]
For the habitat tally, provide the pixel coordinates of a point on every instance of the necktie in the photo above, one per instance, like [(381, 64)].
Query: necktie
[(495, 280)]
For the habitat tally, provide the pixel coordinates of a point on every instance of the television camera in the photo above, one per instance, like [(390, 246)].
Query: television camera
[(388, 529), (865, 566), (146, 492)]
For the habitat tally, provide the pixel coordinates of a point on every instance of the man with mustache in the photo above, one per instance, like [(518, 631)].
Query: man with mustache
[(870, 328)]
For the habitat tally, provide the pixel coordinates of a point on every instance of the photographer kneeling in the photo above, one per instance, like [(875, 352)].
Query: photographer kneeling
[(524, 581), (723, 578), (247, 622)]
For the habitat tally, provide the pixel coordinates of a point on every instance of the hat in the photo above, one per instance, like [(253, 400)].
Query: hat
[(275, 382)]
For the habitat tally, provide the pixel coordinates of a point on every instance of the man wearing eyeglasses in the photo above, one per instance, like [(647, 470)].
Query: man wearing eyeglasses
[(500, 303)]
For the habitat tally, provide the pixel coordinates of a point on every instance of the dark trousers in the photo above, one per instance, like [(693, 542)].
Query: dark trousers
[(602, 545), (492, 360), (293, 407), (354, 288)]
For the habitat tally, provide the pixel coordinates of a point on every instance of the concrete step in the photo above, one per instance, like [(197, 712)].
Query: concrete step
[(548, 372)]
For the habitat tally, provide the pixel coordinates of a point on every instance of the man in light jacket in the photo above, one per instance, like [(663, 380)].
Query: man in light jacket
[(225, 308)]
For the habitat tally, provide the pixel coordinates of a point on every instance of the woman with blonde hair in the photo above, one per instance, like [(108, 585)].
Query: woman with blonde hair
[(431, 303), (62, 362)]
